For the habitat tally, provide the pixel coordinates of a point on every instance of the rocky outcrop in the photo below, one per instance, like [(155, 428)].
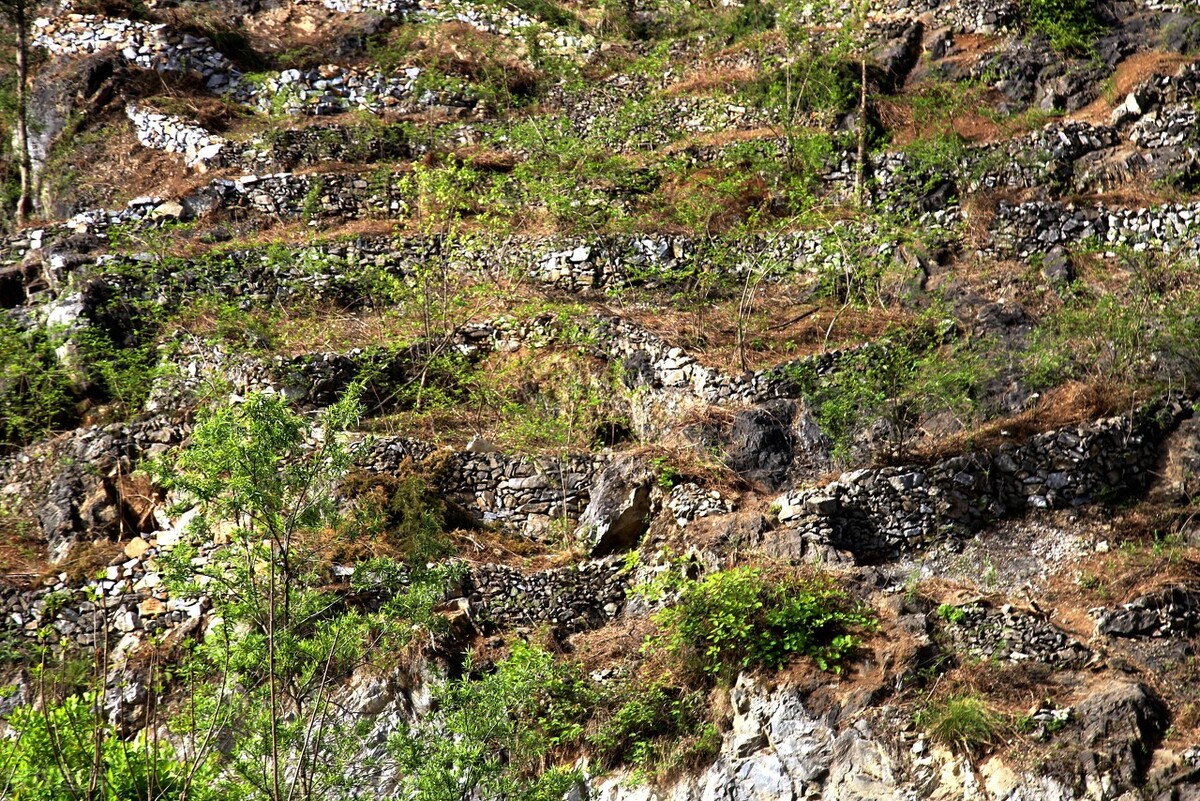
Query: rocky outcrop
[(1122, 725), (620, 509), (78, 486), (784, 745), (1170, 612)]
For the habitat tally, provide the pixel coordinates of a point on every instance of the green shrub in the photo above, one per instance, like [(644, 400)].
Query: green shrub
[(751, 617), (35, 389), (405, 514), (495, 735), (61, 750), (650, 721), (964, 722), (951, 613), (1071, 25)]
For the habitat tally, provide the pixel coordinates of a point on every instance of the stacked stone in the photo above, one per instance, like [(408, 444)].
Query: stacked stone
[(690, 501), (537, 496), (329, 89), (671, 368), (879, 513), (664, 121), (386, 7), (344, 195), (1012, 635), (151, 46), (504, 21), (1169, 126), (128, 597), (981, 16), (1029, 228), (333, 89), (574, 598), (288, 148), (157, 131)]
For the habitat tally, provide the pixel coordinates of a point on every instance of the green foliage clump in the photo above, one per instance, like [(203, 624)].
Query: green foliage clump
[(67, 750), (1147, 338), (496, 735), (403, 515), (964, 722), (283, 637), (750, 617), (951, 613), (897, 381), (1071, 25), (35, 389), (654, 723)]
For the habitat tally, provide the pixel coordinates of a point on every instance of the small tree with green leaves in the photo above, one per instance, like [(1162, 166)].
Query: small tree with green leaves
[(266, 482), (495, 737)]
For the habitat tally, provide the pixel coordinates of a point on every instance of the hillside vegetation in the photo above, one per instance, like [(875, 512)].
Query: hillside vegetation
[(609, 399)]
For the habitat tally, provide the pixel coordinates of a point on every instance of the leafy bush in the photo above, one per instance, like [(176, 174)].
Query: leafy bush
[(964, 722), (35, 389), (404, 515), (1070, 25), (495, 736), (1149, 337), (653, 721), (750, 617), (902, 378), (62, 750)]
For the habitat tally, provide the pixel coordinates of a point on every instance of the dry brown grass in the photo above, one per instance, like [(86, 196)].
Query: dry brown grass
[(1073, 403), (1129, 73), (705, 79), (785, 323), (23, 556), (85, 559)]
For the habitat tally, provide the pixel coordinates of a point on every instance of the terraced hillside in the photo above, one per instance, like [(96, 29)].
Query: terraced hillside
[(590, 399)]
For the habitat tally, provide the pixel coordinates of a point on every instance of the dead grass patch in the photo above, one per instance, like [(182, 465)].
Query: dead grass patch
[(85, 559), (1073, 403), (1134, 70), (707, 79)]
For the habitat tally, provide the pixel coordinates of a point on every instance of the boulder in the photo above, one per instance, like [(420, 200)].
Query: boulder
[(1122, 725), (620, 508), (1179, 473)]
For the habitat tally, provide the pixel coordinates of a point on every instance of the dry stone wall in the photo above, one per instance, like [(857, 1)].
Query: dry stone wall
[(879, 513), (172, 134), (1013, 635), (128, 600), (572, 598), (541, 496), (328, 89)]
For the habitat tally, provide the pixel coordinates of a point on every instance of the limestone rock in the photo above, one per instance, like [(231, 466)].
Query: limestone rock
[(620, 508), (136, 548)]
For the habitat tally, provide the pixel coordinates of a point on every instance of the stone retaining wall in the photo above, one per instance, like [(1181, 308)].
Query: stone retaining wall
[(573, 598), (158, 131), (130, 599), (540, 497), (1028, 229), (329, 89), (878, 513)]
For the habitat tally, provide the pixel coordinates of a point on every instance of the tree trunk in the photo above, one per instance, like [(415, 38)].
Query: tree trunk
[(25, 202), (860, 175)]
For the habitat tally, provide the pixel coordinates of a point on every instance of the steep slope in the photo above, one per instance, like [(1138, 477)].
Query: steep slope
[(771, 400)]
